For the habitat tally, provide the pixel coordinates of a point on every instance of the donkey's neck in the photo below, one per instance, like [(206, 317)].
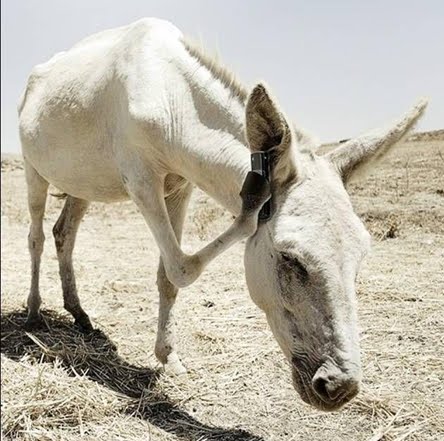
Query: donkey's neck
[(214, 154), (218, 164)]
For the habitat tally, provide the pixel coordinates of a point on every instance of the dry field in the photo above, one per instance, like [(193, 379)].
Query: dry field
[(59, 385)]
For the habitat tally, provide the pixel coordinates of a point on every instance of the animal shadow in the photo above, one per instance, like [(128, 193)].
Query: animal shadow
[(96, 356)]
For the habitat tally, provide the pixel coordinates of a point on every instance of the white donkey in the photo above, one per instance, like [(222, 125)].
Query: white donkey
[(137, 112)]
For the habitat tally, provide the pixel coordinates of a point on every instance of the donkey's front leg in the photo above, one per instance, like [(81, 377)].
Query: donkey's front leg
[(165, 348), (165, 351), (183, 269), (165, 217), (146, 189)]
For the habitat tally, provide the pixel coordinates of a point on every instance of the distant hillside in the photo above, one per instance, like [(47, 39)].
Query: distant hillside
[(432, 135)]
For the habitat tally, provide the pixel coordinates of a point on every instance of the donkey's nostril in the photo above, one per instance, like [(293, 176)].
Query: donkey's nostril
[(331, 388), (320, 386)]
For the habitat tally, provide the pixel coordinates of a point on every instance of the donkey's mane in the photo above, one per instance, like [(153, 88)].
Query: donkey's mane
[(238, 90), (220, 72)]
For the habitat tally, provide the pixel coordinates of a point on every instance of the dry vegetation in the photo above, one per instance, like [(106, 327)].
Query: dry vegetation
[(60, 385)]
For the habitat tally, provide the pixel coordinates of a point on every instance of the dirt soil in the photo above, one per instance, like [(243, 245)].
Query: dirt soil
[(60, 385)]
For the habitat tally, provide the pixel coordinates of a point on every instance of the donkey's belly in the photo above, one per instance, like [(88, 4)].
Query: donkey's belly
[(90, 175), (88, 187)]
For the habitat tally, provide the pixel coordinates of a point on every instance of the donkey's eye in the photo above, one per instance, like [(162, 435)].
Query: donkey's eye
[(287, 258)]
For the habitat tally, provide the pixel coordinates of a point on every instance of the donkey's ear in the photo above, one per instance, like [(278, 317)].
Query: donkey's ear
[(268, 129), (357, 156)]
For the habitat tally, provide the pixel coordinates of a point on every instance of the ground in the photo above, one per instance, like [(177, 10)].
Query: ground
[(59, 385)]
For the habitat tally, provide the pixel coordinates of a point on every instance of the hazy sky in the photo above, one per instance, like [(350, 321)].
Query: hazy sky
[(337, 67)]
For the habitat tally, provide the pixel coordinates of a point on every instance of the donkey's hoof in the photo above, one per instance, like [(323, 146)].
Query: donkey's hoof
[(34, 322), (84, 324), (174, 366)]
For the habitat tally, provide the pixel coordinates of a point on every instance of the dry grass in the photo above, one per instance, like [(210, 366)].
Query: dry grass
[(85, 385), (60, 385)]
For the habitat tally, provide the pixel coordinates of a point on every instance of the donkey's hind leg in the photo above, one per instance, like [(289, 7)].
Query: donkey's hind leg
[(65, 231), (37, 192)]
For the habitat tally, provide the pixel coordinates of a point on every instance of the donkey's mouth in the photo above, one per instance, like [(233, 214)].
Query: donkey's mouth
[(303, 385)]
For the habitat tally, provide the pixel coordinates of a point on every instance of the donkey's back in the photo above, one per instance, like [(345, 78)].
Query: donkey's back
[(78, 114)]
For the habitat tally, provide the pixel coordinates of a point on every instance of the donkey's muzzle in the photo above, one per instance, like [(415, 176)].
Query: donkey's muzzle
[(335, 386)]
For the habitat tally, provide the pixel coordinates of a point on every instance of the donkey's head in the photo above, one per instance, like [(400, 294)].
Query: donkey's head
[(302, 265)]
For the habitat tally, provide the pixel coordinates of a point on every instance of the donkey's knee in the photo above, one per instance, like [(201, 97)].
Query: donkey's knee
[(185, 271)]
